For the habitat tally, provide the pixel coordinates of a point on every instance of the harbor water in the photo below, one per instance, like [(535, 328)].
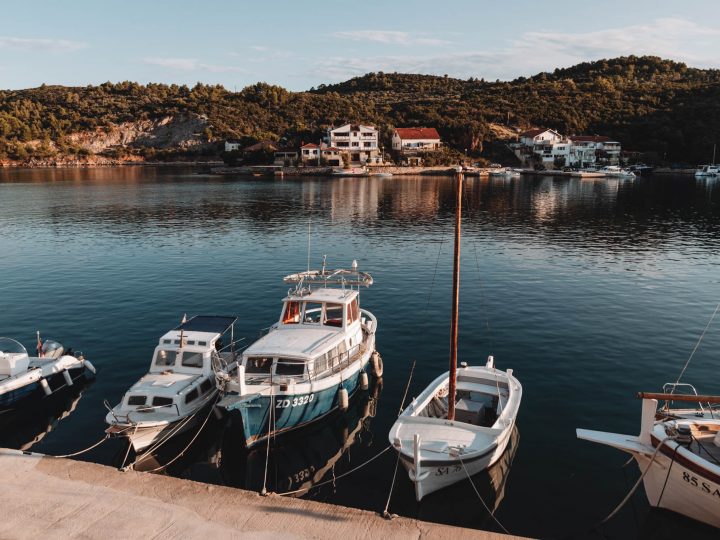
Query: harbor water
[(591, 290)]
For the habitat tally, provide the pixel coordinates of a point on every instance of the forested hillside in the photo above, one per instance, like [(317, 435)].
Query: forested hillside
[(647, 103)]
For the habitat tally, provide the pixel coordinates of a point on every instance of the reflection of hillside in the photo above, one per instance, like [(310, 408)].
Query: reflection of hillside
[(139, 202)]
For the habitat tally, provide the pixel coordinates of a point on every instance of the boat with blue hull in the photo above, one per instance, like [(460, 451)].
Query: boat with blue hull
[(310, 362), (25, 380)]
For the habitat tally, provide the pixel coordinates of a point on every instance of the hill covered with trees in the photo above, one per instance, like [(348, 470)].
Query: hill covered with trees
[(648, 104)]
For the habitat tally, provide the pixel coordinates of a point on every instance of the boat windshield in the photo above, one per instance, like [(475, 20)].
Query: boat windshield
[(10, 346), (165, 358), (192, 359), (333, 315), (258, 365), (291, 315)]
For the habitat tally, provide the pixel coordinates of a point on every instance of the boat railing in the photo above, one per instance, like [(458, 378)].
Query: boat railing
[(670, 388), (337, 362)]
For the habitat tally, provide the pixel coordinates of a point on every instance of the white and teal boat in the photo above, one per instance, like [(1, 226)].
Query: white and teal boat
[(310, 362)]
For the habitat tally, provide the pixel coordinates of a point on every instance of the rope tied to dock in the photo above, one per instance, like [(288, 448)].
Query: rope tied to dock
[(105, 438), (487, 508)]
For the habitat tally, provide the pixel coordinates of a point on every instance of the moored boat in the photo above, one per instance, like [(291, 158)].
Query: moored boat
[(310, 361), (24, 379), (678, 452), (461, 423), (180, 383)]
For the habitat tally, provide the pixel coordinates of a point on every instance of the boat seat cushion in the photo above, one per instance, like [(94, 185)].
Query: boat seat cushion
[(13, 364)]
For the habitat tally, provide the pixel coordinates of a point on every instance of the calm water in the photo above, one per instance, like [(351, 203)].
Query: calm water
[(590, 289)]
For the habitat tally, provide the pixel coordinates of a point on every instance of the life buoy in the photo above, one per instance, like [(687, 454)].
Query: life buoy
[(377, 364)]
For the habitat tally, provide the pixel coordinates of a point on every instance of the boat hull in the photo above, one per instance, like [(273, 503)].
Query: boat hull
[(33, 391), (438, 474), (261, 415), (687, 489)]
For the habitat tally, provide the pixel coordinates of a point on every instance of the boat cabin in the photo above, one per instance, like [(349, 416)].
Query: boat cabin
[(181, 370), (335, 308), (319, 331)]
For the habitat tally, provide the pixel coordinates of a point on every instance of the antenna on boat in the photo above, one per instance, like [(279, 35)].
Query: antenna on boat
[(309, 231), (455, 301)]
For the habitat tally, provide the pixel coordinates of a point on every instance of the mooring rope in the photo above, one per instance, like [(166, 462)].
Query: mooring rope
[(487, 508), (105, 438), (696, 347)]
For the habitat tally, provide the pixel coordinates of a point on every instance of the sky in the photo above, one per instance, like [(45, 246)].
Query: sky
[(300, 45)]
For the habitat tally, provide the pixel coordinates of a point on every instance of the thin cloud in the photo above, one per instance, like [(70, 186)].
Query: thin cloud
[(538, 51), (389, 37), (190, 64), (40, 44)]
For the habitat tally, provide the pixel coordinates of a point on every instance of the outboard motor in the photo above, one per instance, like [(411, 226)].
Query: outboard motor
[(52, 349)]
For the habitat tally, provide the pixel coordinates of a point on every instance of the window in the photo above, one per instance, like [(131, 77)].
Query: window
[(289, 366), (292, 313), (333, 315), (192, 395), (167, 341), (205, 386), (137, 400), (356, 144), (161, 401), (367, 144), (192, 359), (258, 365), (353, 312), (165, 358), (313, 311), (202, 343), (343, 144)]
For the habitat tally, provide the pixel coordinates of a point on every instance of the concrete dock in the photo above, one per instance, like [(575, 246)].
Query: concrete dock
[(45, 497)]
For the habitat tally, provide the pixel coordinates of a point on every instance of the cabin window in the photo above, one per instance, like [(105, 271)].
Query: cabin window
[(313, 312), (292, 313), (192, 359), (202, 343), (167, 341), (289, 366), (333, 314), (191, 396), (353, 312), (137, 400), (205, 386), (258, 365), (165, 358), (159, 401)]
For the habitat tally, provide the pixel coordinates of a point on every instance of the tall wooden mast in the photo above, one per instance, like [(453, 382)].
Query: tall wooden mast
[(455, 300)]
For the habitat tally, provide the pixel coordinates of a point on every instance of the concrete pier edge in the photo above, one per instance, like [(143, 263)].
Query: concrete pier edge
[(62, 498)]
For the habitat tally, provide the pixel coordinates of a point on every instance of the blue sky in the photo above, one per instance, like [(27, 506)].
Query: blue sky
[(302, 44)]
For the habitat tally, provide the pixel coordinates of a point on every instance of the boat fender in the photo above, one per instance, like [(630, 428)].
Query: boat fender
[(364, 384), (377, 364), (490, 362), (89, 366), (45, 387), (343, 399), (67, 377)]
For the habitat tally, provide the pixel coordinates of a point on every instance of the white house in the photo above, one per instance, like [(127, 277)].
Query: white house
[(309, 152), (539, 136), (415, 140), (361, 142), (602, 149), (232, 146)]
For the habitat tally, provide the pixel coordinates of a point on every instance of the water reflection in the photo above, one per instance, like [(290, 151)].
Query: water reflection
[(297, 462), (25, 427)]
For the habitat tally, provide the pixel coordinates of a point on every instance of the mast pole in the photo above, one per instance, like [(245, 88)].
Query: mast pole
[(455, 301)]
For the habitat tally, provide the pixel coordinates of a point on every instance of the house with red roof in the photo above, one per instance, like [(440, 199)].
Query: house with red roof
[(543, 136), (414, 140)]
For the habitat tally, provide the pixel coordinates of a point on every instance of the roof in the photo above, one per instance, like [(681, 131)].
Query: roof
[(591, 138), (210, 324), (309, 145), (417, 133), (330, 149), (353, 127), (336, 296), (296, 341), (536, 132)]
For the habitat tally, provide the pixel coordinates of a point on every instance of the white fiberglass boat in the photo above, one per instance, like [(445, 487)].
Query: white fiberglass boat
[(505, 173), (180, 383), (707, 171), (678, 452), (615, 171), (24, 379), (462, 422), (310, 361)]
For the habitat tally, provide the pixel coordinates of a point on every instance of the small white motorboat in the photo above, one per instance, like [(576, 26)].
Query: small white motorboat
[(678, 452), (24, 379), (462, 422), (180, 383), (707, 171)]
